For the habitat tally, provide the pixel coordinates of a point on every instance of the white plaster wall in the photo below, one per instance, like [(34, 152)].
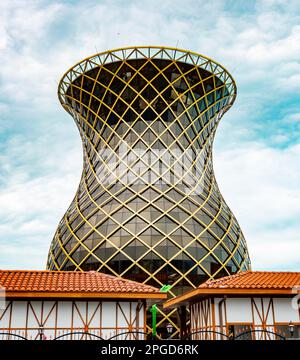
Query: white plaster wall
[(32, 321), (48, 314), (257, 311), (64, 316), (18, 318), (80, 309), (284, 311), (109, 314), (238, 310), (217, 301), (122, 317), (94, 309)]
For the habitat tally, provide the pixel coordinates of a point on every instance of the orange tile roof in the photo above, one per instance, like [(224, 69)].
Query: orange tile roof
[(255, 280), (247, 283), (67, 282)]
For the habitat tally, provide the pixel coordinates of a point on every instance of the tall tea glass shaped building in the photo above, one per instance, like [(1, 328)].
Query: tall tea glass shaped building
[(148, 207)]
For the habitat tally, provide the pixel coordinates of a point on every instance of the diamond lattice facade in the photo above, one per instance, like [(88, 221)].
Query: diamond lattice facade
[(148, 207)]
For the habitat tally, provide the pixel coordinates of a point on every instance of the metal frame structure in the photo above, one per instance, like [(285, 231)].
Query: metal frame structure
[(176, 226)]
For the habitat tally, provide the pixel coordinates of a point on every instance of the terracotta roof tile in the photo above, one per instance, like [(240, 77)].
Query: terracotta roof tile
[(243, 283), (67, 281), (255, 280)]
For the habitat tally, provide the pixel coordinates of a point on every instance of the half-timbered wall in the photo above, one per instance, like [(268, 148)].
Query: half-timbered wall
[(202, 317), (55, 318), (254, 313)]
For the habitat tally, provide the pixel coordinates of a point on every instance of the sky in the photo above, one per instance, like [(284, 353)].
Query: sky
[(257, 145)]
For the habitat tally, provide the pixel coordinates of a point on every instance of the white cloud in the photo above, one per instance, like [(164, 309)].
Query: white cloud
[(255, 47), (292, 118), (263, 182), (261, 185), (276, 249), (30, 213)]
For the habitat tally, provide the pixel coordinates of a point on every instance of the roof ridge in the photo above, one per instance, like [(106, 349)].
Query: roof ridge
[(224, 278), (123, 279)]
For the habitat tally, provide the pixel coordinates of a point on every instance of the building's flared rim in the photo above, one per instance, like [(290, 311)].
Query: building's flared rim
[(147, 52)]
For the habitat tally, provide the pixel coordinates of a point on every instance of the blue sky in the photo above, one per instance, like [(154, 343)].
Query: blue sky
[(257, 146)]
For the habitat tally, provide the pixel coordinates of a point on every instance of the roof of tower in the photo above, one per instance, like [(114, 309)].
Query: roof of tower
[(147, 53)]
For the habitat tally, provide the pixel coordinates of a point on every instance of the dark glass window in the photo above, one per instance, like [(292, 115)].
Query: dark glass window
[(243, 330)]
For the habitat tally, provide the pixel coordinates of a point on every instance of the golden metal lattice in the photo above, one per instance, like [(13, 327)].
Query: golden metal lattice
[(148, 206)]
